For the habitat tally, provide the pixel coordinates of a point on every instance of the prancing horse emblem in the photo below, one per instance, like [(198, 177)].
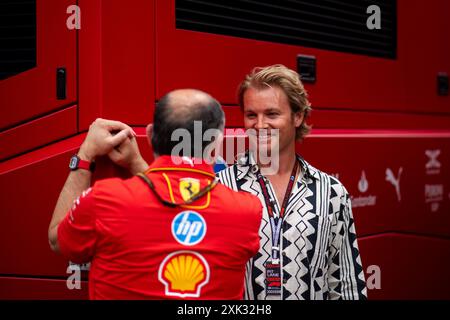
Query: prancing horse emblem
[(189, 187)]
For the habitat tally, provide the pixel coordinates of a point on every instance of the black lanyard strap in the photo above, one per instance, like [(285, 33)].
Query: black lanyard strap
[(276, 222)]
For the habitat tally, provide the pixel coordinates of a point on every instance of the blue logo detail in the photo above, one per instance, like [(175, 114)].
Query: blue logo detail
[(220, 164), (188, 228)]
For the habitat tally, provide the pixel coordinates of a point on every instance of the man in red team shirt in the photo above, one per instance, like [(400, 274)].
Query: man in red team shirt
[(171, 232)]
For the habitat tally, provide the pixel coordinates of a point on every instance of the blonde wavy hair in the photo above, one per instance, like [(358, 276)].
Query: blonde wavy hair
[(286, 79)]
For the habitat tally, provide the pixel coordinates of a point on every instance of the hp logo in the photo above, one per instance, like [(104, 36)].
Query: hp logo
[(188, 228)]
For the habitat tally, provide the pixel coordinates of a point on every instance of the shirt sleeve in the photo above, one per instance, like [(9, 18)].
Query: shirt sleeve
[(345, 272), (258, 218), (76, 233), (253, 246)]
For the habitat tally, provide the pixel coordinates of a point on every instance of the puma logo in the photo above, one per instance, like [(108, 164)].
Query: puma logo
[(395, 181)]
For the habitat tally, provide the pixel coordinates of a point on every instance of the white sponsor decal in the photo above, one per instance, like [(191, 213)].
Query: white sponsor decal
[(363, 184), (395, 181), (434, 194), (433, 166), (366, 200)]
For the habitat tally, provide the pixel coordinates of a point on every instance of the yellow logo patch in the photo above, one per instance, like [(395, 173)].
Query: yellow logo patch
[(184, 273), (189, 187)]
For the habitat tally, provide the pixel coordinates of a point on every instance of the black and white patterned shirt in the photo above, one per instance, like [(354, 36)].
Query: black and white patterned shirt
[(320, 257)]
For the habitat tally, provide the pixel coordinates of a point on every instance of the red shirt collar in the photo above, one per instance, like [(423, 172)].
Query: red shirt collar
[(174, 162)]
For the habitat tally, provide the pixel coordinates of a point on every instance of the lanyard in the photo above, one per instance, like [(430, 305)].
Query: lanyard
[(276, 222)]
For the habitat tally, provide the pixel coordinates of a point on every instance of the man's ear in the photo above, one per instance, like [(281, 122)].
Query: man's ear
[(298, 119), (149, 131)]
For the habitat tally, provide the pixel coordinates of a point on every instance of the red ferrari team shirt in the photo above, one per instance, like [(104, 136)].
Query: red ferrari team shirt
[(140, 248)]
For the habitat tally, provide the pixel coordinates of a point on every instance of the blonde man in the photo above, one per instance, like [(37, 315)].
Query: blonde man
[(308, 247)]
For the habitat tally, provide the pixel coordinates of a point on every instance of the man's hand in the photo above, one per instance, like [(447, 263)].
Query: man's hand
[(127, 155), (103, 136)]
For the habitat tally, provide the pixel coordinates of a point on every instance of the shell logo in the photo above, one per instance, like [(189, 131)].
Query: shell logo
[(183, 274)]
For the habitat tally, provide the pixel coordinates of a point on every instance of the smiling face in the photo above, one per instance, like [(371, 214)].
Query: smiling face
[(268, 108)]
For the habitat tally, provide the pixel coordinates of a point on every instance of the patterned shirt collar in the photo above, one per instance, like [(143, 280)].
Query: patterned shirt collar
[(246, 162)]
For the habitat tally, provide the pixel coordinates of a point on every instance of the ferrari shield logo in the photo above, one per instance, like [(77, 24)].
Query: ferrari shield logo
[(189, 187)]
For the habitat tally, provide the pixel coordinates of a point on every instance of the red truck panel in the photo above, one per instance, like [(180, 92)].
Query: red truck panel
[(38, 132), (117, 54), (424, 200), (33, 93), (12, 288), (410, 266), (344, 81)]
